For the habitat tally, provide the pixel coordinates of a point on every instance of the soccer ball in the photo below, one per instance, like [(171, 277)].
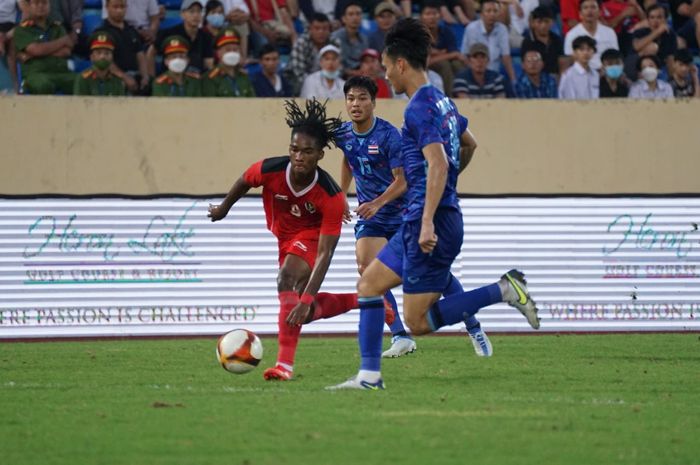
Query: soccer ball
[(239, 351)]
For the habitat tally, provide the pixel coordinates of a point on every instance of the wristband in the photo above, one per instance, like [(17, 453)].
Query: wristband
[(306, 299)]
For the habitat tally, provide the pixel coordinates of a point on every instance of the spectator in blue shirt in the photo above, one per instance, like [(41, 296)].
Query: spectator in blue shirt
[(444, 57), (535, 83), (478, 81), (269, 82)]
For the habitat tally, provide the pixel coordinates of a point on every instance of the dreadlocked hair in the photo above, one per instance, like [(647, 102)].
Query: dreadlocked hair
[(313, 122)]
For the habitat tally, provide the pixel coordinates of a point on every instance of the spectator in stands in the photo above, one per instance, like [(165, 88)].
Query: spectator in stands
[(581, 81), (325, 83), (535, 82), (8, 16), (684, 77), (129, 62), (214, 18), (269, 82), (455, 11), (444, 57), (270, 21), (591, 26), (622, 16), (43, 48), (541, 38), (67, 12), (656, 39), (352, 41), (177, 81), (385, 15), (649, 86), (515, 14), (367, 7), (492, 33), (613, 82), (690, 31), (142, 15), (310, 8), (569, 11), (236, 14), (227, 79), (98, 80), (478, 81), (371, 67), (201, 47), (304, 58)]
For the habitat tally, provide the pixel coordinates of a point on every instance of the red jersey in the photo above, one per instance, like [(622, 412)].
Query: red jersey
[(317, 209)]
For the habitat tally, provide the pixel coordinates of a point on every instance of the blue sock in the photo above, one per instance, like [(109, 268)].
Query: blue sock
[(396, 327), (460, 307), (455, 287), (370, 332)]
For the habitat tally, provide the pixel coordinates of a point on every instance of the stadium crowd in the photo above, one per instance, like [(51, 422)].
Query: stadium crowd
[(567, 49)]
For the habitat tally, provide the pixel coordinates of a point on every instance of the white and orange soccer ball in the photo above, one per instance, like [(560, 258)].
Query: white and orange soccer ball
[(239, 351)]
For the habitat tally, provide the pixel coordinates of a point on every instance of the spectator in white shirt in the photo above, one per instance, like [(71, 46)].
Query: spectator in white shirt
[(581, 81), (237, 15), (590, 26), (649, 86), (325, 83)]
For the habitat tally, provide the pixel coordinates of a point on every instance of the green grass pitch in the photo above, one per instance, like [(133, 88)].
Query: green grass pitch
[(594, 399)]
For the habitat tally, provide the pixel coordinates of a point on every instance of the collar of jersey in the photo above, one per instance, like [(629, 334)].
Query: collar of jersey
[(368, 132), (427, 84), (304, 190)]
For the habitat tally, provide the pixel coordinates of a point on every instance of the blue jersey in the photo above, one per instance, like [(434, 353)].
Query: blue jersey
[(371, 157), (430, 117)]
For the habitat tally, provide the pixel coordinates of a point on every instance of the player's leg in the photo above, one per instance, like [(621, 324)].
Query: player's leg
[(480, 340)]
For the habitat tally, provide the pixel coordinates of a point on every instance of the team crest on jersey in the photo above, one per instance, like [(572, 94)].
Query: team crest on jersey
[(310, 207), (295, 210), (348, 146), (373, 149), (280, 197)]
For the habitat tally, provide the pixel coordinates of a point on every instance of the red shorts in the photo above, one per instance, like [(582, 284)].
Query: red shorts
[(304, 248)]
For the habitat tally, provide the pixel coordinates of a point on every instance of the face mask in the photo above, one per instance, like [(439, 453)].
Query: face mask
[(177, 65), (231, 58), (101, 64), (649, 74), (215, 20), (330, 74), (613, 71)]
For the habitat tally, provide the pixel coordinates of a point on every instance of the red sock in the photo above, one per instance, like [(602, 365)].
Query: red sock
[(329, 305), (288, 336)]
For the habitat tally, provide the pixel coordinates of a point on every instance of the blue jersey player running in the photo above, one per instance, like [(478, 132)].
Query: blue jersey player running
[(434, 140), (372, 156)]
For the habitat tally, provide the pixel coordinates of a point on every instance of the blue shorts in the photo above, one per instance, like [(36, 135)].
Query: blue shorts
[(421, 272), (374, 229)]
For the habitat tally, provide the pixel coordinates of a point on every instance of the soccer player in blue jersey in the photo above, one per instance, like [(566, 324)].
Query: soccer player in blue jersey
[(372, 149), (435, 141)]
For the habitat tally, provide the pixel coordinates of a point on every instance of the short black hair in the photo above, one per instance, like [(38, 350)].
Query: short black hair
[(211, 5), (352, 3), (434, 4), (684, 56), (542, 12), (312, 122), (656, 6), (362, 82), (653, 58), (484, 2), (580, 4), (267, 48), (611, 54), (319, 18), (410, 39), (581, 41)]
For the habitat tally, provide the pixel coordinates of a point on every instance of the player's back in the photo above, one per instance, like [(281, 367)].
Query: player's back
[(430, 117)]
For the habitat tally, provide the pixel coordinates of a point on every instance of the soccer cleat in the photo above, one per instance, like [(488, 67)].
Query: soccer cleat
[(277, 373), (354, 383), (480, 341), (389, 316), (522, 301), (400, 345)]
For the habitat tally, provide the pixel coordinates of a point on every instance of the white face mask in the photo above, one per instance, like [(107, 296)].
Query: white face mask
[(177, 65), (649, 74), (231, 58)]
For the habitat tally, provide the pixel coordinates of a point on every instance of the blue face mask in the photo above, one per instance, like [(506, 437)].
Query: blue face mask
[(613, 71), (330, 74), (215, 20)]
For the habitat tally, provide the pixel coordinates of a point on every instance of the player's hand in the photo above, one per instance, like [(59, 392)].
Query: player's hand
[(367, 210), (216, 213), (347, 217), (427, 240), (299, 314)]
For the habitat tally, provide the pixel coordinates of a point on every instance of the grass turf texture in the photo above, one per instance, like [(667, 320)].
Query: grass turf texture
[(622, 399)]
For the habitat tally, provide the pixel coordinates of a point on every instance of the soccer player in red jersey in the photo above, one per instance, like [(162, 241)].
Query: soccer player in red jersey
[(304, 209)]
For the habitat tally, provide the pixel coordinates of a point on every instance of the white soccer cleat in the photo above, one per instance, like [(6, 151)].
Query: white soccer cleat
[(400, 345), (354, 383), (521, 298), (480, 341)]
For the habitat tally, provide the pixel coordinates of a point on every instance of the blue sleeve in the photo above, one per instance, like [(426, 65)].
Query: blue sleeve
[(463, 123), (422, 122), (394, 145)]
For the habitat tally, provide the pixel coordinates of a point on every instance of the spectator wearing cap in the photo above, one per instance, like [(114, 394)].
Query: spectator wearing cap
[(444, 57), (201, 45), (98, 79), (655, 39), (591, 26), (43, 47), (352, 41), (535, 82), (478, 81), (371, 67), (385, 15), (177, 81), (227, 78), (325, 83), (541, 38), (269, 82), (581, 81), (304, 58), (684, 75), (129, 59), (493, 34), (613, 82), (649, 86)]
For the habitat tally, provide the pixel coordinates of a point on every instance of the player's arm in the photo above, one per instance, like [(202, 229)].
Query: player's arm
[(436, 178), (345, 181), (238, 190), (467, 146), (395, 190)]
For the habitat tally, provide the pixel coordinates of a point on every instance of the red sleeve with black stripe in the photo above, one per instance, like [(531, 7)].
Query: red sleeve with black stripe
[(253, 176)]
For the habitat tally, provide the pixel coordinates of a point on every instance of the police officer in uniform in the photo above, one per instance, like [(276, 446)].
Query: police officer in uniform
[(98, 80), (177, 81), (227, 79)]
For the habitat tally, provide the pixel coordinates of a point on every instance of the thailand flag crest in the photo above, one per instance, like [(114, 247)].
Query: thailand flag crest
[(373, 149)]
